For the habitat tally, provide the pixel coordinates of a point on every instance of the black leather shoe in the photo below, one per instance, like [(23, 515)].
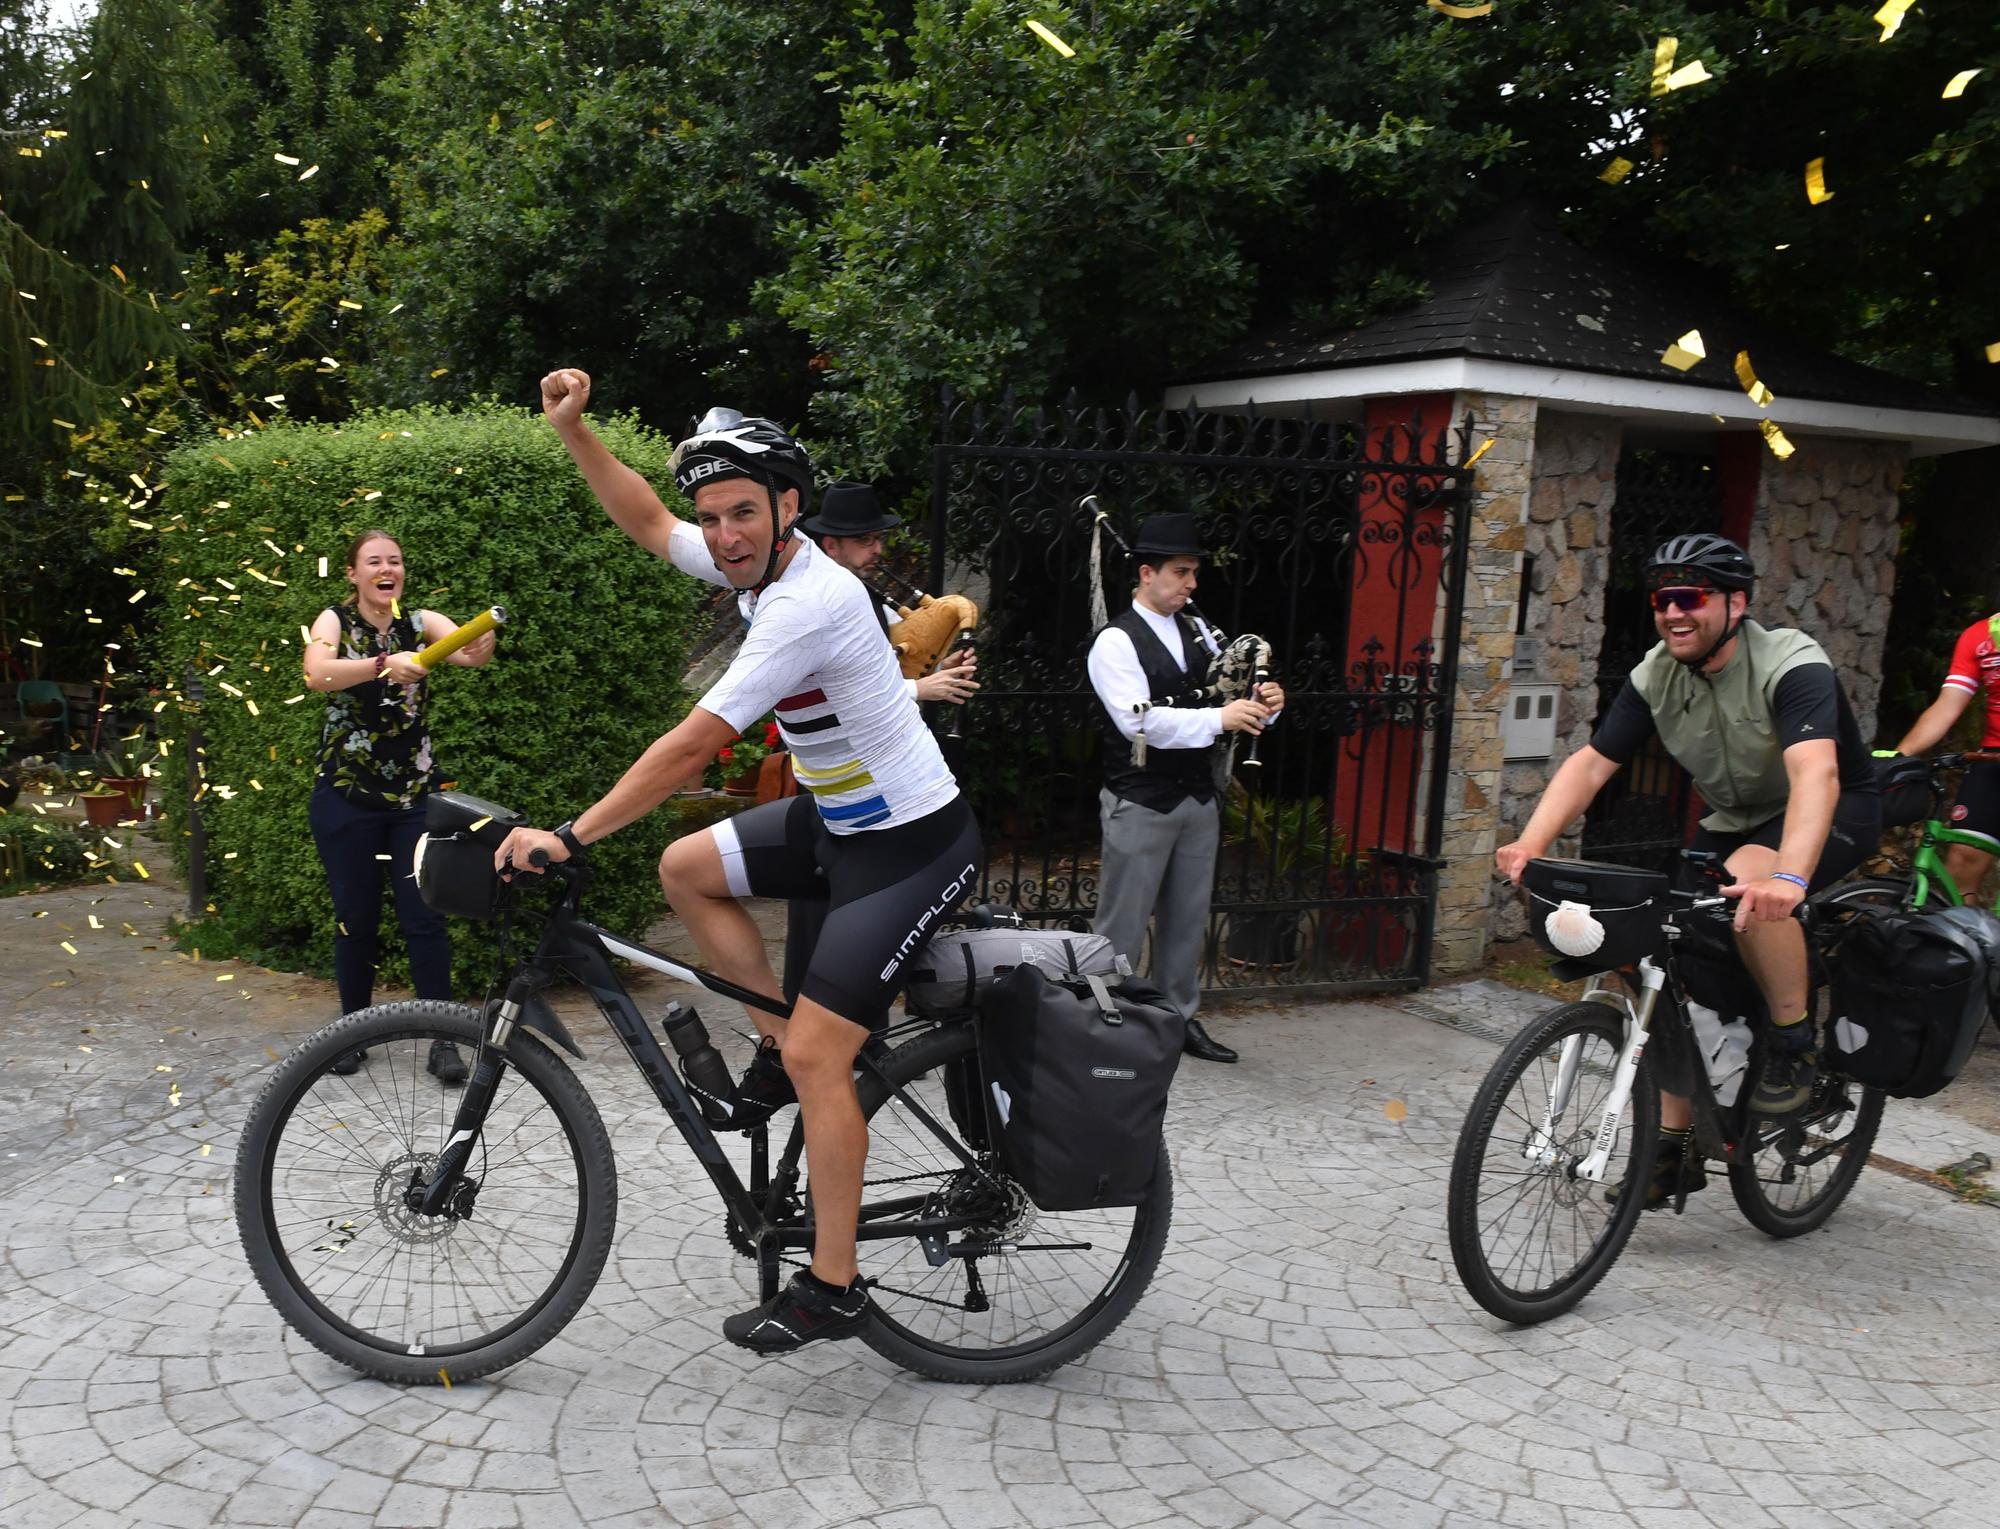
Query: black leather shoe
[(445, 1064), (1201, 1044), (347, 1066)]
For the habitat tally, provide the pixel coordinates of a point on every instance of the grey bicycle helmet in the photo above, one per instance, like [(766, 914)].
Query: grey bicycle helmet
[(730, 444), (1701, 558)]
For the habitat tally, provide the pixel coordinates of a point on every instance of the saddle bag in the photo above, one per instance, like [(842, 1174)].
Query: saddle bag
[(1077, 1073), (958, 968), (1909, 993)]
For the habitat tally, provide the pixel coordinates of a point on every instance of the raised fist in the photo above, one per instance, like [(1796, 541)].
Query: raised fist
[(564, 394)]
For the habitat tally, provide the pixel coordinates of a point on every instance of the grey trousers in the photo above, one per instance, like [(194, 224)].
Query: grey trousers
[(1159, 868)]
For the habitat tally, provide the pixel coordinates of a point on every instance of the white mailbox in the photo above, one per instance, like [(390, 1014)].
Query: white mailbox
[(1528, 727)]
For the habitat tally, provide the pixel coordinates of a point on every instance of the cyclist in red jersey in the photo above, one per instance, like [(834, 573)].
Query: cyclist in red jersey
[(1975, 671)]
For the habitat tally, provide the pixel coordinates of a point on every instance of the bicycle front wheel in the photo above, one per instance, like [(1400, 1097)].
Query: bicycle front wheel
[(1528, 1236), (1045, 1287), (322, 1174)]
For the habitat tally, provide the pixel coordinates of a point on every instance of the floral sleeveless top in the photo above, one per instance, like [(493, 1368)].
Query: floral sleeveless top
[(375, 749)]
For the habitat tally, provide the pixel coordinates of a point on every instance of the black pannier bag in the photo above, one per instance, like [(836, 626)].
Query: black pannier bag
[(1077, 1074), (959, 967), (454, 866), (1906, 791), (1909, 992), (1625, 908)]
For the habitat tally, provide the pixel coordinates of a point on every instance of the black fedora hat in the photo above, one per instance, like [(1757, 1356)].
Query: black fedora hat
[(850, 509), (1167, 536)]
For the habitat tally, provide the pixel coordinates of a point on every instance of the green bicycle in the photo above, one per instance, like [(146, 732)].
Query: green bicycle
[(1908, 784)]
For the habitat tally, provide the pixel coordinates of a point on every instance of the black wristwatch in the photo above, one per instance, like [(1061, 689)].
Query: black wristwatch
[(571, 842)]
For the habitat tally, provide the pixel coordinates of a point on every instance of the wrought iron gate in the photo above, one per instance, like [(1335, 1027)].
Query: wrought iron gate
[(1641, 817), (1344, 548)]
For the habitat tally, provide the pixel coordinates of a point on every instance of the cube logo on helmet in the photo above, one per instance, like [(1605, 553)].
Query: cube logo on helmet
[(729, 443)]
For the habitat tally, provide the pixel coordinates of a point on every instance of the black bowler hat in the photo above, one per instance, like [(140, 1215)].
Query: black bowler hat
[(850, 509), (1167, 536)]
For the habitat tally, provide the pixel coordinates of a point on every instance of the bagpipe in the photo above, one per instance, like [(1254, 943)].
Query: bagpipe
[(1236, 667), (927, 630)]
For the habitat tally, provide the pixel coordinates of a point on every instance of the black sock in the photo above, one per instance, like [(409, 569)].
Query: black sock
[(826, 1285)]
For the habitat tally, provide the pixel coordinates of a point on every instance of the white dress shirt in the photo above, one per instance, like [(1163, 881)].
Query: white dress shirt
[(1120, 683)]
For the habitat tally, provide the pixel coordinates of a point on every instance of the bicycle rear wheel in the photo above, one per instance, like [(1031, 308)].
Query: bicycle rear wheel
[(321, 1174), (1530, 1238), (1047, 1288), (1789, 1176), (1887, 892)]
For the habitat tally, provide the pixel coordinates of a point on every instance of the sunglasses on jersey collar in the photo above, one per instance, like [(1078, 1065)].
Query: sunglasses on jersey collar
[(1685, 597)]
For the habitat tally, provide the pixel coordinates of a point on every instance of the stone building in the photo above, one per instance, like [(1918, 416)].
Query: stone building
[(1598, 452)]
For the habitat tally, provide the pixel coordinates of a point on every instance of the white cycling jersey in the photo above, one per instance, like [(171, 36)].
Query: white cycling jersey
[(814, 655)]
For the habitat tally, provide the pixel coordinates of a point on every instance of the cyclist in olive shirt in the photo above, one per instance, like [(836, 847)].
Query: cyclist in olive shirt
[(1757, 717)]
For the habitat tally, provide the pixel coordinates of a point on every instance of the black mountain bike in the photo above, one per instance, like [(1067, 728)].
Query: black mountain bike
[(421, 1237), (1572, 1107)]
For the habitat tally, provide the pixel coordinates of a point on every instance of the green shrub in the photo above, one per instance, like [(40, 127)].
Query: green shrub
[(489, 511), (32, 849)]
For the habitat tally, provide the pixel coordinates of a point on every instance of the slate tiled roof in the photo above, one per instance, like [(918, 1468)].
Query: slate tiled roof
[(1518, 289)]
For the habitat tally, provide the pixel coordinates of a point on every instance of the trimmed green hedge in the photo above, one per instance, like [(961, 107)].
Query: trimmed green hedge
[(489, 511), (48, 852)]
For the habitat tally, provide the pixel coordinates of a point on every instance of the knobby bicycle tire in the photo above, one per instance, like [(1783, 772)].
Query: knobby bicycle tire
[(422, 1300), (1046, 1302), (1500, 1201)]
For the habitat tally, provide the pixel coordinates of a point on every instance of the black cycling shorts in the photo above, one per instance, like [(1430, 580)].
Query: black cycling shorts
[(1855, 835), (885, 890), (1977, 810)]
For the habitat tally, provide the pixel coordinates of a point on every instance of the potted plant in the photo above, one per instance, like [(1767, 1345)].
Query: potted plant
[(105, 805), (125, 764), (740, 761), (1277, 842)]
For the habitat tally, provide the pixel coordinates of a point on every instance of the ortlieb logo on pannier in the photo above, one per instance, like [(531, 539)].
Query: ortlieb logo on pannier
[(1909, 993), (1078, 1072)]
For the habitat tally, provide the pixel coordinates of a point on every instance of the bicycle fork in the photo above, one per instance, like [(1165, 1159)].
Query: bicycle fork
[(1542, 1147), (447, 1191)]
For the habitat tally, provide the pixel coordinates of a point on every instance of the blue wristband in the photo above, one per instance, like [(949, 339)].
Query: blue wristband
[(1798, 881)]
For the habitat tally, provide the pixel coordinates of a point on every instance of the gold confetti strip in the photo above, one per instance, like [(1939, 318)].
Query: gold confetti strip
[(1462, 12), (545, 124), (1993, 352), (141, 870), (1396, 1110), (83, 1048), (204, 1149), (1685, 351), (446, 1378), (349, 303), (226, 977), (1666, 77), (285, 159), (1051, 39), (1891, 17), (1816, 191), (1746, 375), (475, 827), (1484, 447), (439, 372), (1775, 439), (1617, 170), (308, 172), (68, 947), (1954, 88)]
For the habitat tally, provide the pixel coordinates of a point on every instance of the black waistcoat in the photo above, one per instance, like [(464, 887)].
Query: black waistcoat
[(1169, 776)]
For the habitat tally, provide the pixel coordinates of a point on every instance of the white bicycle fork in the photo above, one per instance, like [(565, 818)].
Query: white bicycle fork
[(1541, 1148)]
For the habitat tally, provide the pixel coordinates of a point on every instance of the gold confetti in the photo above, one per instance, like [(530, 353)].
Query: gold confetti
[(1462, 12), (439, 372), (1746, 375), (1816, 191), (475, 827), (141, 525), (136, 598), (1396, 1110), (445, 1378), (284, 159), (1775, 439), (162, 1067), (308, 172), (1051, 39), (545, 124), (1484, 447), (254, 786), (1685, 351), (226, 977), (347, 303), (395, 606), (69, 947), (1617, 170), (322, 574), (1891, 17), (1956, 86), (1666, 77), (83, 1048), (141, 870), (204, 1149), (1993, 352)]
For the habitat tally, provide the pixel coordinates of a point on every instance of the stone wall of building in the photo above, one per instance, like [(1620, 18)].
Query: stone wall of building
[(1497, 533), (1568, 535), (1824, 542)]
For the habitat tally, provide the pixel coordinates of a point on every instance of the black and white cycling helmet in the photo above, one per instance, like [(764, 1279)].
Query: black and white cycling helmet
[(1701, 558), (730, 444)]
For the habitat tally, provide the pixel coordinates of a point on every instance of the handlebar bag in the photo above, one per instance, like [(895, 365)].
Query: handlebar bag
[(1077, 1073), (958, 968), (454, 860), (1909, 993), (1605, 916)]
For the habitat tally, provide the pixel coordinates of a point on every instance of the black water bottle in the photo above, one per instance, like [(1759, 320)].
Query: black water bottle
[(701, 1064)]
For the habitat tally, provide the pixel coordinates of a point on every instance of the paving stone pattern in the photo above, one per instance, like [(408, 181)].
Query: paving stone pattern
[(1305, 1357)]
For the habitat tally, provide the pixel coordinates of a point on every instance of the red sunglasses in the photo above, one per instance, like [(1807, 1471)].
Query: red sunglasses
[(1686, 598)]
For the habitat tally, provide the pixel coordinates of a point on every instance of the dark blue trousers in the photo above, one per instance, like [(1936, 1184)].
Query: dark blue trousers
[(351, 840)]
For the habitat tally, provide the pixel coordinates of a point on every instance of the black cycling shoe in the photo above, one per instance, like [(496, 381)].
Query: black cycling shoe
[(1791, 1068), (446, 1065), (765, 1088), (805, 1311), (347, 1066), (1676, 1172)]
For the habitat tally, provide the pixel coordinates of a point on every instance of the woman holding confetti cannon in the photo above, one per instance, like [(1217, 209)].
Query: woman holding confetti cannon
[(375, 768)]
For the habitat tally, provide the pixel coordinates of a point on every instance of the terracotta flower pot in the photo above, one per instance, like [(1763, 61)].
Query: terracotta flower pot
[(134, 787), (108, 810)]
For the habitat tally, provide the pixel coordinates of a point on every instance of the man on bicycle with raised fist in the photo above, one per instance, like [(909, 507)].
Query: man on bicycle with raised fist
[(1974, 672), (880, 831), (1757, 718)]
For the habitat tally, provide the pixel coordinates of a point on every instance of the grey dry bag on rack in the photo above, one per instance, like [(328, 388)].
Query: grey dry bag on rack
[(1909, 993), (1077, 1073), (959, 967)]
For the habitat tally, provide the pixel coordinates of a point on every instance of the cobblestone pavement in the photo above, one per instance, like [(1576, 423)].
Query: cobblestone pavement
[(1304, 1358)]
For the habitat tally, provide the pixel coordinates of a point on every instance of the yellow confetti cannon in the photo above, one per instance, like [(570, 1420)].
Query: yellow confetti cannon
[(472, 631)]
